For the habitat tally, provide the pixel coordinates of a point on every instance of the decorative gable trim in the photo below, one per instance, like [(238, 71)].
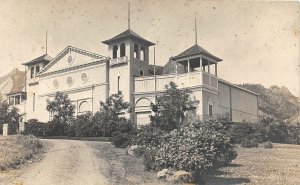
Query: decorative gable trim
[(92, 63), (67, 50)]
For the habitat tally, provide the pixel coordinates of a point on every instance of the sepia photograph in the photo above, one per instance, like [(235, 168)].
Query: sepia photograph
[(149, 92)]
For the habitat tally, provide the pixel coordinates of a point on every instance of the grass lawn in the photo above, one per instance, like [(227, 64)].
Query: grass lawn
[(260, 166), (253, 166)]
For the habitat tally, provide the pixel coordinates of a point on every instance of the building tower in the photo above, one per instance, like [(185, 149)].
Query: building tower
[(129, 58)]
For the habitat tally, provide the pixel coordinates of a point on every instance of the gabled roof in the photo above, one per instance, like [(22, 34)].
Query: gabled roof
[(195, 50), (71, 48), (128, 34), (44, 57)]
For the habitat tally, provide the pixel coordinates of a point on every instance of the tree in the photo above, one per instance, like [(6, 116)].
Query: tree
[(113, 106), (61, 108), (108, 117), (170, 107), (10, 116)]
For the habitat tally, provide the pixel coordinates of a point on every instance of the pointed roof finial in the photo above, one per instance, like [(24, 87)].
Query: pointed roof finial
[(196, 31), (46, 41), (129, 14)]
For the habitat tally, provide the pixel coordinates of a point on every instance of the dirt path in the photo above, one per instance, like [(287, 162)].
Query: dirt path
[(66, 162)]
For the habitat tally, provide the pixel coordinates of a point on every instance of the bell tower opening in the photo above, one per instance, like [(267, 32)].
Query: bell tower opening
[(115, 52), (122, 50)]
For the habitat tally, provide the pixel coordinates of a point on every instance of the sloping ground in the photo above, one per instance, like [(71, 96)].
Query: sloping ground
[(86, 162), (16, 150), (67, 162), (120, 168), (275, 101), (260, 166)]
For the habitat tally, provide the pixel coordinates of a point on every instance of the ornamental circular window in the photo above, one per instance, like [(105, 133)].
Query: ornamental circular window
[(84, 77), (70, 81), (55, 83), (70, 59)]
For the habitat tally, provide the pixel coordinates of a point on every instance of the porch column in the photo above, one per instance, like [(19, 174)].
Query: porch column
[(216, 69), (208, 67), (201, 64), (176, 67), (188, 65)]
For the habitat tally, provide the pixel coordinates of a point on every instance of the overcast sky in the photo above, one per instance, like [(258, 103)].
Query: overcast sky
[(258, 41)]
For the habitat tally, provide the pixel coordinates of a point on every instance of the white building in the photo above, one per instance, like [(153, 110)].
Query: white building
[(89, 78)]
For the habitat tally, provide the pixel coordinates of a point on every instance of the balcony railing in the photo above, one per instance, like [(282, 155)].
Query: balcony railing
[(119, 60), (147, 84)]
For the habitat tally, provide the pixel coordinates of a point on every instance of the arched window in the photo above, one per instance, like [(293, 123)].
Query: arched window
[(141, 72), (37, 69), (115, 51), (136, 51), (142, 53), (210, 106), (32, 72), (122, 50), (84, 107)]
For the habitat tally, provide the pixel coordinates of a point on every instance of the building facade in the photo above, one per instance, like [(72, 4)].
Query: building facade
[(89, 78)]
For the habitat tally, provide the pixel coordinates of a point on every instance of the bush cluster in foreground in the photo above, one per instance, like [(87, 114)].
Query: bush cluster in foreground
[(195, 146)]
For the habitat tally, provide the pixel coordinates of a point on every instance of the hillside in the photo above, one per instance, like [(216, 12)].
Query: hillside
[(276, 101), (11, 82)]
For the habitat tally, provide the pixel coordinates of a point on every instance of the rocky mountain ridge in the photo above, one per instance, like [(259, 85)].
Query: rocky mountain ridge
[(277, 102)]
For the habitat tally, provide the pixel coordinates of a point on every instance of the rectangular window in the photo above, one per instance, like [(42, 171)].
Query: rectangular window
[(33, 102), (24, 97), (118, 84), (37, 69), (32, 72), (210, 110), (17, 99), (11, 100)]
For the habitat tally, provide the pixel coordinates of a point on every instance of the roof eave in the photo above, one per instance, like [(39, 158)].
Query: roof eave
[(109, 41), (36, 61), (15, 92), (211, 56)]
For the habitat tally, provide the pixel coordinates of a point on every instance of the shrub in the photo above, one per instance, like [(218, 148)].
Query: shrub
[(121, 140), (194, 147), (277, 132), (294, 135), (249, 143), (57, 128), (122, 132), (149, 159), (84, 126), (148, 136), (36, 128), (268, 144), (247, 131), (139, 151)]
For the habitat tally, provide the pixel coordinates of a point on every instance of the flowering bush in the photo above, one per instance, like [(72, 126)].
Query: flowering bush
[(194, 147), (148, 136)]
